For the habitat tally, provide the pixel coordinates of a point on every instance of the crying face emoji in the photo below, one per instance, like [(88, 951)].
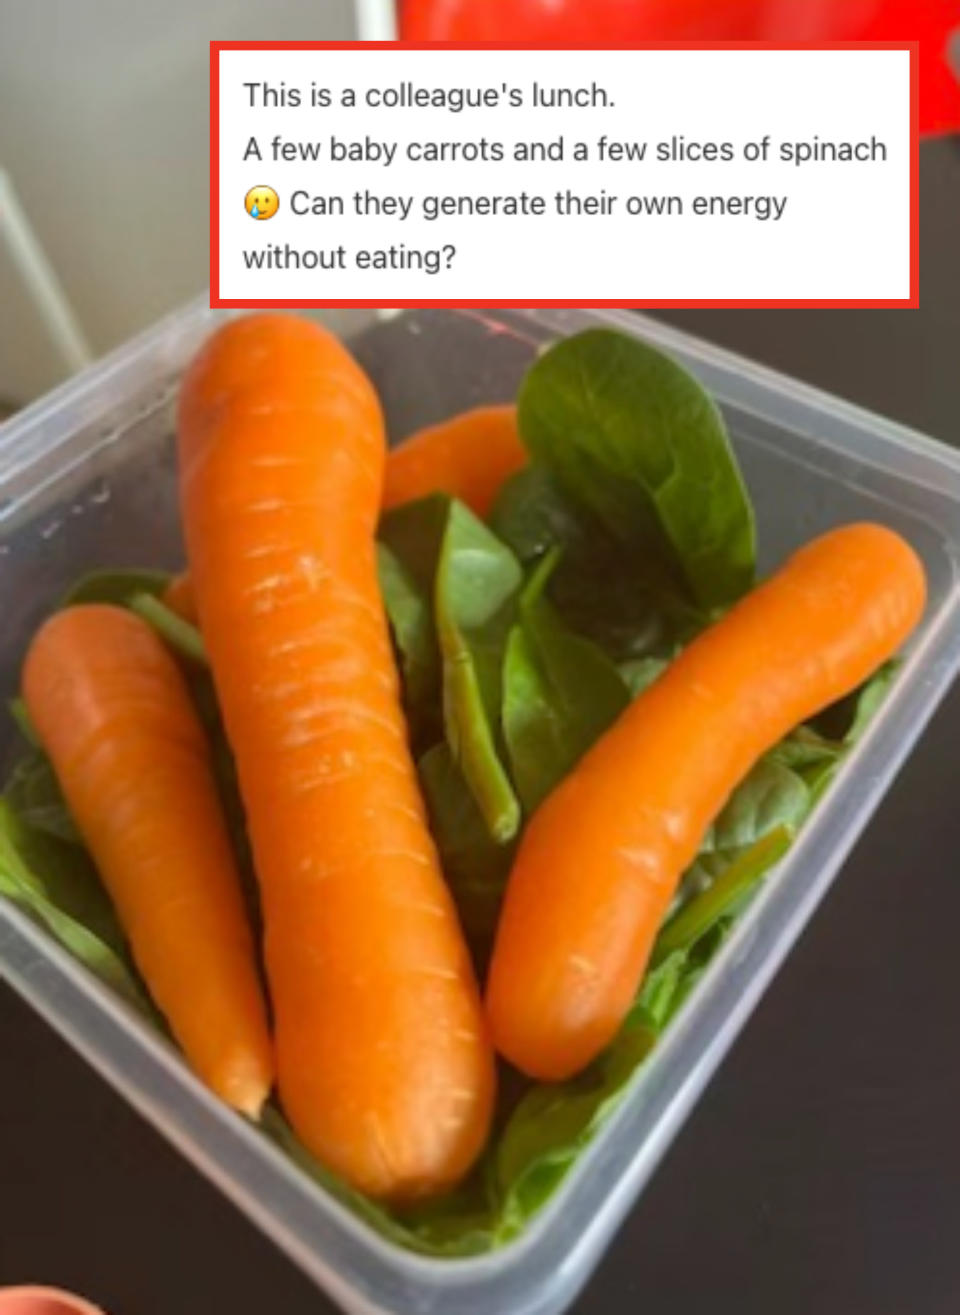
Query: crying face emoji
[(261, 202)]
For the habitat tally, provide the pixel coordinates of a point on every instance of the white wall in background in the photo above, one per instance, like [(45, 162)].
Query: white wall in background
[(103, 126)]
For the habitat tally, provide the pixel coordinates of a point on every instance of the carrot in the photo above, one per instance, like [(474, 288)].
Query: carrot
[(601, 859), (178, 596), (468, 456), (385, 1069), (112, 711)]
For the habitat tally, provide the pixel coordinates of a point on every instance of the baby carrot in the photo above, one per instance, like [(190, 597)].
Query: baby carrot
[(385, 1069), (178, 596), (112, 711), (601, 859), (468, 456)]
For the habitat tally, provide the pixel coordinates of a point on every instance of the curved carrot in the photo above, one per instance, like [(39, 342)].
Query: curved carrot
[(385, 1069), (468, 456), (601, 859), (113, 713)]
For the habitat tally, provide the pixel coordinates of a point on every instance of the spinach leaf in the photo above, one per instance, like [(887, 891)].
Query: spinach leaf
[(410, 613), (56, 885), (701, 913), (21, 715), (771, 796), (34, 793), (474, 600), (408, 550), (660, 988), (774, 795), (639, 673), (554, 1122), (627, 605), (844, 722), (805, 749), (116, 585), (810, 756), (636, 439), (866, 701), (474, 864), (533, 514), (179, 635), (141, 590), (450, 588), (560, 693)]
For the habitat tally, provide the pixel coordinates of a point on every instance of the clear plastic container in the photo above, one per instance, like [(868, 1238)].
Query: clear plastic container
[(87, 479)]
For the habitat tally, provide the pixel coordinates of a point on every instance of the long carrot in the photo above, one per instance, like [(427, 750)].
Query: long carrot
[(385, 1069), (600, 860), (113, 713), (468, 456)]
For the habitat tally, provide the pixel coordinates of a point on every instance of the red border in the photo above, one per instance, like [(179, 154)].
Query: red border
[(913, 301)]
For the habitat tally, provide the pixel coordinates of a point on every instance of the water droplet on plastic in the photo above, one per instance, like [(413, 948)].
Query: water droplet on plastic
[(99, 495)]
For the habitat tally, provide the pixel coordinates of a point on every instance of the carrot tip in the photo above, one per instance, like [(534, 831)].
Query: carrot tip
[(247, 1095)]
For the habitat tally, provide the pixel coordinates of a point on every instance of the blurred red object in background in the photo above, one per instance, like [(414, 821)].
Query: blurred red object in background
[(571, 21)]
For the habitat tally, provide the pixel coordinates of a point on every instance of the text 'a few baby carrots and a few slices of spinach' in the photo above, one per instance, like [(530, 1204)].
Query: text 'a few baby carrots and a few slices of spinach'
[(520, 638)]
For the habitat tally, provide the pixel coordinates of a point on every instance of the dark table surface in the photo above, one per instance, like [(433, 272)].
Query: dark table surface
[(821, 1171)]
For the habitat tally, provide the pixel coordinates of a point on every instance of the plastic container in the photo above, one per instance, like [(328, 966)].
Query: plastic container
[(87, 478)]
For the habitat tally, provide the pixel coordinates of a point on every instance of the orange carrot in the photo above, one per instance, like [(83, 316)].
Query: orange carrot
[(601, 859), (385, 1069), (468, 456), (178, 596), (113, 713)]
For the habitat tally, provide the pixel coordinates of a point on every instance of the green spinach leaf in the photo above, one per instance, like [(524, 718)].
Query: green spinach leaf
[(626, 604), (639, 673), (56, 885), (533, 514), (116, 585), (450, 587), (33, 791), (408, 551), (475, 593), (635, 438), (474, 864), (21, 715), (179, 635), (737, 879), (141, 590), (554, 1122), (772, 795), (560, 693), (410, 612)]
